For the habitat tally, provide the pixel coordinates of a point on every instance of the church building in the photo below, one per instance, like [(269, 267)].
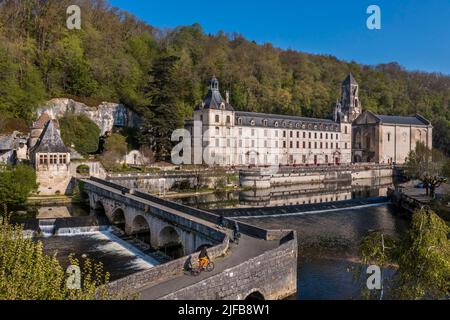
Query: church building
[(220, 135)]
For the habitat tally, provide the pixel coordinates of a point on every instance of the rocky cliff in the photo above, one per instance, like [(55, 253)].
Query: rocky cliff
[(106, 115)]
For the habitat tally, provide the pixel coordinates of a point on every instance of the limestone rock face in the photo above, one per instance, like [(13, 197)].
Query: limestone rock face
[(107, 115)]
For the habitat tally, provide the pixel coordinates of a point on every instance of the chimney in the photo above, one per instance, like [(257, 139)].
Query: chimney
[(227, 96)]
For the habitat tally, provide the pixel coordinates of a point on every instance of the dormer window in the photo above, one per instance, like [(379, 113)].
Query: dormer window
[(239, 121), (222, 106), (252, 122), (265, 122), (284, 123), (276, 124), (297, 125)]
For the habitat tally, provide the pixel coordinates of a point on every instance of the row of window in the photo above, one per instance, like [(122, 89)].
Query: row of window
[(317, 145), (265, 123), (320, 135), (315, 160), (52, 158)]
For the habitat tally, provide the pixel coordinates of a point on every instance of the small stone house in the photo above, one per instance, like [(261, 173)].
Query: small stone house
[(51, 159), (13, 148)]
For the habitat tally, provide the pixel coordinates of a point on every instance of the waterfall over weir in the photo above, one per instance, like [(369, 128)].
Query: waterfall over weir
[(78, 231), (47, 227)]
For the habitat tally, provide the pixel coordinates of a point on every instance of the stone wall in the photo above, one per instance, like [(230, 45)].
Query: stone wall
[(273, 274), (137, 281), (292, 176)]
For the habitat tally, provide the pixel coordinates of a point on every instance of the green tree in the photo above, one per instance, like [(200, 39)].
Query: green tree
[(16, 184), (162, 116), (80, 131), (422, 257)]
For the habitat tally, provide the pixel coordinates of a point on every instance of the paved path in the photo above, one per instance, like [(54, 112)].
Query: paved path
[(248, 248)]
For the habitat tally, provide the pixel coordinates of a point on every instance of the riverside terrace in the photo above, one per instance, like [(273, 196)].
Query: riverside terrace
[(263, 265)]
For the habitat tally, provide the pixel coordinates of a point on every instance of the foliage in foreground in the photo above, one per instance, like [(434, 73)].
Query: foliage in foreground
[(16, 183), (422, 257), (26, 273)]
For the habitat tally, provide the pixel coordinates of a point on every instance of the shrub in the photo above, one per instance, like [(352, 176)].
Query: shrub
[(16, 183), (80, 131)]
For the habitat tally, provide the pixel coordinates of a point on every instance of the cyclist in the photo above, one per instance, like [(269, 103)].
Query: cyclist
[(203, 258)]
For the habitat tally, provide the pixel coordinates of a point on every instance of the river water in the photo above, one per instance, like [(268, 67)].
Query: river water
[(328, 246), (328, 241)]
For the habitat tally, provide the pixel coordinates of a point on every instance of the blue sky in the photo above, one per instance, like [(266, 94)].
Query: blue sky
[(415, 33)]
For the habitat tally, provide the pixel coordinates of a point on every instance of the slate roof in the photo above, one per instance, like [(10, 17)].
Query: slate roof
[(350, 80), (417, 120), (284, 121), (50, 140), (213, 99)]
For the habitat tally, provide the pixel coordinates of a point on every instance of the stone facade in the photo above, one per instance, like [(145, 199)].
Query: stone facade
[(228, 137), (388, 139), (222, 136), (51, 158)]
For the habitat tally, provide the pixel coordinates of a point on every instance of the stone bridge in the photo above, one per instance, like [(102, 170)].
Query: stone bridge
[(262, 266), (154, 220)]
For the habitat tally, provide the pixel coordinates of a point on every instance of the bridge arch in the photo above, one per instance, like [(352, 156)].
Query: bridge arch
[(140, 228), (170, 242), (255, 296), (118, 217)]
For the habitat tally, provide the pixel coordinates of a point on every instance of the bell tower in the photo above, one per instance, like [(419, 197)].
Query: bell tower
[(350, 105)]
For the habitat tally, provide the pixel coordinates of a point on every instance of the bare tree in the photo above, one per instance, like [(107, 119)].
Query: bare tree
[(428, 166)]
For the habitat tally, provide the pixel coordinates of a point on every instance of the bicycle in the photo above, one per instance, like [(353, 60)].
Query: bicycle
[(197, 270)]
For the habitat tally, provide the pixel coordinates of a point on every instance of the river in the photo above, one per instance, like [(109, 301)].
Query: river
[(328, 241)]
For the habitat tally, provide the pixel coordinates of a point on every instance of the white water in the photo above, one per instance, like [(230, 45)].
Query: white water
[(80, 231), (122, 247), (115, 244), (47, 227), (312, 212)]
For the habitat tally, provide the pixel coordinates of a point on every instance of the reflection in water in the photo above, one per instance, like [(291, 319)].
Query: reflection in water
[(291, 195), (328, 244)]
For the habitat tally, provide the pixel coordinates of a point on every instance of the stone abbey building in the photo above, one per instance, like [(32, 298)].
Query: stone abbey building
[(223, 136)]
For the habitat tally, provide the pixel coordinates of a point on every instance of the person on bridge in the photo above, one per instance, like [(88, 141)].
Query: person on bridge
[(222, 222), (236, 232), (203, 258)]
